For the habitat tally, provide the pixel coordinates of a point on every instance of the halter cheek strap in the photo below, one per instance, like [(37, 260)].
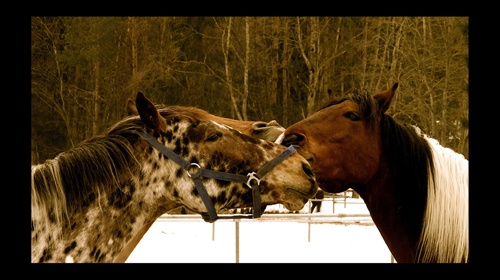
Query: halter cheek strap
[(252, 180)]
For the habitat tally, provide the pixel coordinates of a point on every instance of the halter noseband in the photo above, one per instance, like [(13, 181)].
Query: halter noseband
[(252, 179)]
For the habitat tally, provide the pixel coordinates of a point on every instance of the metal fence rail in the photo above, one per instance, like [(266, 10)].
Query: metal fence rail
[(301, 218), (309, 218), (313, 218)]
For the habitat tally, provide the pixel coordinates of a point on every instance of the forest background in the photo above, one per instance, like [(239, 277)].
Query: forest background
[(83, 70)]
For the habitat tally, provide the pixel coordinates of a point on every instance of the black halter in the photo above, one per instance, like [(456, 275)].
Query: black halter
[(252, 179)]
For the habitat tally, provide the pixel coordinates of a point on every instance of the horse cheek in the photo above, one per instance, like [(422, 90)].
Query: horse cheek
[(367, 163)]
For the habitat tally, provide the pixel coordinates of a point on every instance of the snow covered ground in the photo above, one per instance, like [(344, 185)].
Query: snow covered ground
[(263, 240)]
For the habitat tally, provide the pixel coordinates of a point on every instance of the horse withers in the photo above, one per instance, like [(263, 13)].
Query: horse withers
[(91, 201), (415, 189)]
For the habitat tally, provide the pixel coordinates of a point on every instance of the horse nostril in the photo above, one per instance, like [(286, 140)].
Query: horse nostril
[(308, 170), (293, 139)]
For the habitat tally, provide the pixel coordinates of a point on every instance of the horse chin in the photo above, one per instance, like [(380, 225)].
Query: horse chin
[(295, 200), (333, 189)]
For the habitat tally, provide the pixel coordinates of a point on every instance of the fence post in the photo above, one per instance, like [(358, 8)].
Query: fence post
[(345, 199), (237, 238), (309, 230), (309, 222)]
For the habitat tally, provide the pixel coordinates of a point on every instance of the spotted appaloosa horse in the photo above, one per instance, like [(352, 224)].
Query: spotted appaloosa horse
[(415, 189), (91, 201)]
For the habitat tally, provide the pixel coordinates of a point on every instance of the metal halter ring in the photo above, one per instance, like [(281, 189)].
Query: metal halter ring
[(195, 165), (251, 176)]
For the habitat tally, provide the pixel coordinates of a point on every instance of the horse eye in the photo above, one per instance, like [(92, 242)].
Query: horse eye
[(214, 136), (352, 116)]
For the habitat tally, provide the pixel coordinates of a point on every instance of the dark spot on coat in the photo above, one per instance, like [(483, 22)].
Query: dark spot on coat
[(168, 135), (70, 247), (221, 198), (185, 150), (196, 135), (177, 148), (175, 193), (224, 184), (119, 199), (178, 173), (46, 256)]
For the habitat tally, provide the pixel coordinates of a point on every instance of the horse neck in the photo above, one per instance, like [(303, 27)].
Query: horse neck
[(102, 229), (439, 231), (380, 199)]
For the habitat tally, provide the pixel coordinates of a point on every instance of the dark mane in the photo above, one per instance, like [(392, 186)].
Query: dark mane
[(410, 164)]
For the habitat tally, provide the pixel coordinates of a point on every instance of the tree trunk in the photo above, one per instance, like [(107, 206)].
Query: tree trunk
[(95, 100), (244, 102), (133, 33)]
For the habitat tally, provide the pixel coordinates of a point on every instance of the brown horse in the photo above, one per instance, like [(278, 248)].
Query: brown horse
[(415, 189), (258, 129), (91, 202)]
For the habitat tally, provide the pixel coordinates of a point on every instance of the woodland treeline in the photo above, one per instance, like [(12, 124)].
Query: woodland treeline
[(254, 68)]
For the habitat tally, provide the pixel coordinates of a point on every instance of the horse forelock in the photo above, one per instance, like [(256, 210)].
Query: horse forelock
[(445, 234), (366, 103)]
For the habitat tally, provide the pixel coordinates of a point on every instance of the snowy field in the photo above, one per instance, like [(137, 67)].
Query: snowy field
[(265, 240)]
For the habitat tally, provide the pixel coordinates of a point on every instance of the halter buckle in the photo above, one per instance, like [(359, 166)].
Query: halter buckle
[(252, 176)]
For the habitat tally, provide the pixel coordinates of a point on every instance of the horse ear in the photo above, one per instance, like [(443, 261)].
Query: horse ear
[(331, 95), (149, 114), (268, 131), (384, 99), (131, 108)]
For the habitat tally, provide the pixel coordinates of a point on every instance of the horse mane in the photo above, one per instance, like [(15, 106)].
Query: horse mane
[(448, 193), (103, 161), (431, 185)]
